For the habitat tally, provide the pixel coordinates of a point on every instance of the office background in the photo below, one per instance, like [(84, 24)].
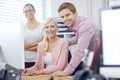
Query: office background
[(13, 10)]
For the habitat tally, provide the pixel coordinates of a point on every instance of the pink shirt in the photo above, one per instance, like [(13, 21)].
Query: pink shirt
[(59, 57), (84, 30)]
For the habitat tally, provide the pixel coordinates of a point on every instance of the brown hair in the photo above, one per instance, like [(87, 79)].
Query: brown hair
[(67, 5), (28, 4)]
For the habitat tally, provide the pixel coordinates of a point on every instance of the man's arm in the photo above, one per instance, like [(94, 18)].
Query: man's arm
[(81, 46), (73, 40)]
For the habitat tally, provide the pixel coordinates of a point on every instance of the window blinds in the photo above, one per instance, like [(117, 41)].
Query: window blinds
[(12, 10)]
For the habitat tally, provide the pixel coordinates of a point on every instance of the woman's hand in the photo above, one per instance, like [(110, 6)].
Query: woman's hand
[(38, 72), (59, 73), (27, 72)]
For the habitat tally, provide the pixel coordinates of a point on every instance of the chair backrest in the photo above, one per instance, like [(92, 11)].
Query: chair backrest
[(97, 54), (91, 58), (94, 63)]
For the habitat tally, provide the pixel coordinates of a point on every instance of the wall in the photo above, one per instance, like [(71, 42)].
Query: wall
[(77, 3), (85, 8)]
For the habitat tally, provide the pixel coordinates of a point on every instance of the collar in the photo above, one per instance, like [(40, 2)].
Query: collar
[(75, 26)]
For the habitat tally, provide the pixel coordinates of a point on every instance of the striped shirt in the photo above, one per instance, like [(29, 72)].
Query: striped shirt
[(84, 30)]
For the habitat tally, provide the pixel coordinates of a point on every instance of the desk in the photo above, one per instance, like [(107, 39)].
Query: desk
[(44, 77)]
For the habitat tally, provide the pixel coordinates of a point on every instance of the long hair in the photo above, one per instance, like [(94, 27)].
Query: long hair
[(45, 39)]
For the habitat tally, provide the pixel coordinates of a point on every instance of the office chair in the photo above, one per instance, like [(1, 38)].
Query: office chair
[(90, 61), (97, 54), (96, 49), (94, 64)]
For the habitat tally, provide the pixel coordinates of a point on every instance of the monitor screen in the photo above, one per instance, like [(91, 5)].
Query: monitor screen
[(12, 44), (110, 22)]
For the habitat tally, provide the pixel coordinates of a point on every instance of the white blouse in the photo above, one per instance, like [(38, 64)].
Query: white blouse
[(32, 35), (48, 59)]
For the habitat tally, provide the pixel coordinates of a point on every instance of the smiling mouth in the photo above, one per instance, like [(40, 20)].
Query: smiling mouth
[(67, 24)]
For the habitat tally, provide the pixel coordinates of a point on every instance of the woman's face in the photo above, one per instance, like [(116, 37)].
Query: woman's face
[(68, 17), (29, 12), (50, 29)]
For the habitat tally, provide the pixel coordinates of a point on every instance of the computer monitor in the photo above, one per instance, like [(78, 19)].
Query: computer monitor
[(12, 44), (110, 23)]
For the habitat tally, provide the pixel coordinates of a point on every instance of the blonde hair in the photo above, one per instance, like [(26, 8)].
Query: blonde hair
[(45, 39)]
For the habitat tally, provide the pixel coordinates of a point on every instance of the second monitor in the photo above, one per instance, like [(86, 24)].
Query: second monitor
[(12, 44)]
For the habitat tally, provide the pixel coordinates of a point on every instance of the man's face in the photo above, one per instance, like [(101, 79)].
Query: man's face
[(68, 17)]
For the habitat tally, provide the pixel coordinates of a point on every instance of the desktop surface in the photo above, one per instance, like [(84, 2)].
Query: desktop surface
[(45, 77)]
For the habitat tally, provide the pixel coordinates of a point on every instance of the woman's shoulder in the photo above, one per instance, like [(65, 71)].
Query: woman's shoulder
[(41, 43)]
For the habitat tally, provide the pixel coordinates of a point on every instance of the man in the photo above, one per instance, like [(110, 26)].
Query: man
[(84, 31)]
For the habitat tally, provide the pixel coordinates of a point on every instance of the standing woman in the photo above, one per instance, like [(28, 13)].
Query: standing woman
[(32, 35)]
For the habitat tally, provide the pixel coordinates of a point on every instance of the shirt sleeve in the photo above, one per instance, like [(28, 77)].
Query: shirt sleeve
[(38, 64), (73, 40), (85, 34)]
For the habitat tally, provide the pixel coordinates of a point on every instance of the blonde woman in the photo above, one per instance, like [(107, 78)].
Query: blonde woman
[(52, 51)]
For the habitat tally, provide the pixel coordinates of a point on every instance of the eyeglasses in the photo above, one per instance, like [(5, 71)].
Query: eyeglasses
[(25, 12)]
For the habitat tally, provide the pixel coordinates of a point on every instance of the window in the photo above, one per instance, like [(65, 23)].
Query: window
[(12, 10)]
